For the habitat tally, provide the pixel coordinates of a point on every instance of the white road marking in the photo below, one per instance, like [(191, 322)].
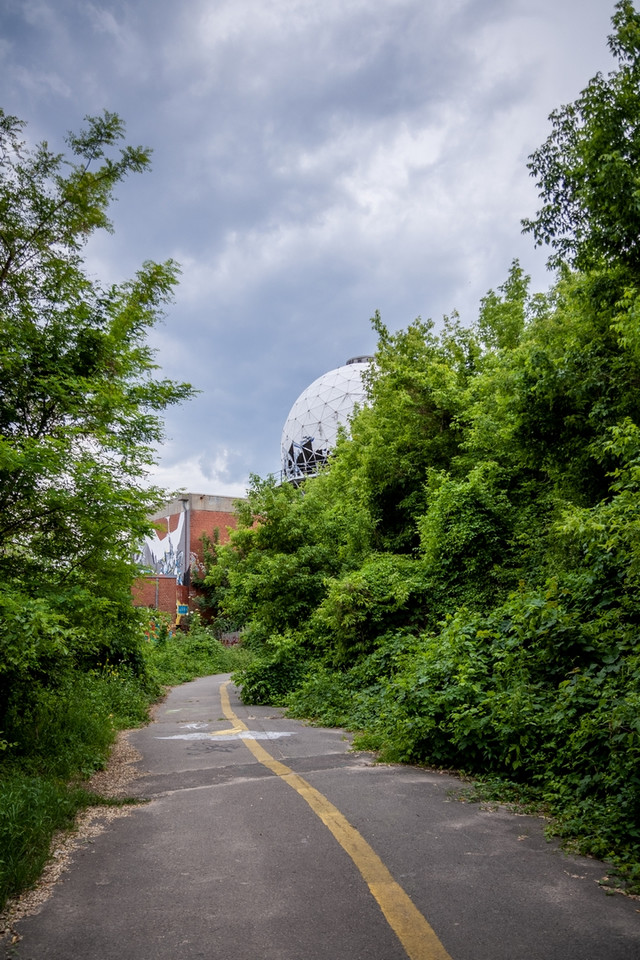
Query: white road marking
[(228, 735)]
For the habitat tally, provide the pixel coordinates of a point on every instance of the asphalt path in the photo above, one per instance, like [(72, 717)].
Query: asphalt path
[(266, 839)]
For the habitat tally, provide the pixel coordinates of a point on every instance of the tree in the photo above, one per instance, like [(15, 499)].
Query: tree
[(588, 169), (79, 405), (412, 422)]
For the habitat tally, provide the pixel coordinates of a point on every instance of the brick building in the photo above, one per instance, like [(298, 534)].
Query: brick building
[(176, 549)]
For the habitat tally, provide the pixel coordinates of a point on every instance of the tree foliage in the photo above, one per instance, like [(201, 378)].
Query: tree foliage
[(587, 169), (80, 409), (461, 583)]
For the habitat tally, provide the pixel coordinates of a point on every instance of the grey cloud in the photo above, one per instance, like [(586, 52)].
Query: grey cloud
[(312, 162)]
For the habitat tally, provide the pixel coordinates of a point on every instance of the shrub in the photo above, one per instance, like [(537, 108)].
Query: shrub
[(274, 672), (180, 656)]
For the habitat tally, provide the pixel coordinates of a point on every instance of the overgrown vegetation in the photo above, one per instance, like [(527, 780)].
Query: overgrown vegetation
[(177, 656), (80, 414), (461, 585)]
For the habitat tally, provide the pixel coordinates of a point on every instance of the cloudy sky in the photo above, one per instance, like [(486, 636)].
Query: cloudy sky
[(313, 161)]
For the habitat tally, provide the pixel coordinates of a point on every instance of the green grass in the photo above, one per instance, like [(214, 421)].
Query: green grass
[(184, 656), (32, 808)]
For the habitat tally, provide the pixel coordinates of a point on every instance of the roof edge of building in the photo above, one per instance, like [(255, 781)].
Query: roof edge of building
[(210, 503)]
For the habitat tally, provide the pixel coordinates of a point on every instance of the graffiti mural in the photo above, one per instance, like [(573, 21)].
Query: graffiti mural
[(167, 554)]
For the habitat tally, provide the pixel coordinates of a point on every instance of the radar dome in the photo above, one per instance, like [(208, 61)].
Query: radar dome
[(311, 429)]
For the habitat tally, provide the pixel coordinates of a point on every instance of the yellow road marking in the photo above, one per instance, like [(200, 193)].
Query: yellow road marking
[(414, 933), (227, 733)]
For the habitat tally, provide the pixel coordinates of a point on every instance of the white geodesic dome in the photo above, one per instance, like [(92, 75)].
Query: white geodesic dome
[(311, 429)]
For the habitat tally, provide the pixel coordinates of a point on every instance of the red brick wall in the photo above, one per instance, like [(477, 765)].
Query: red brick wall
[(206, 521), (162, 592), (201, 521), (157, 592)]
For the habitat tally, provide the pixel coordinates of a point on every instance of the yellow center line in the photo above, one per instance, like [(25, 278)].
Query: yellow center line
[(414, 933), (227, 733)]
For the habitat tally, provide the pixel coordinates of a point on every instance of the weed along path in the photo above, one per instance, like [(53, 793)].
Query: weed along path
[(265, 839)]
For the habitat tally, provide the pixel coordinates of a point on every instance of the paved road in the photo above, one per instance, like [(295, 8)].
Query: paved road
[(265, 839)]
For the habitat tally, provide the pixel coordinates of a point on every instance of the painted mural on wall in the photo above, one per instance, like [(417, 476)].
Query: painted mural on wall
[(167, 553)]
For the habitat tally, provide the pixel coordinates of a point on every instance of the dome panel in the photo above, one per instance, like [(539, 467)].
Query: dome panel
[(311, 429)]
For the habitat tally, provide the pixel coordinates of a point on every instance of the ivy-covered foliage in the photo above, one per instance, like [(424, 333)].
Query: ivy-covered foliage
[(461, 584)]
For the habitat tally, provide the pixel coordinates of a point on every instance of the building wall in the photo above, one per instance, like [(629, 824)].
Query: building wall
[(199, 514), (208, 514), (157, 592)]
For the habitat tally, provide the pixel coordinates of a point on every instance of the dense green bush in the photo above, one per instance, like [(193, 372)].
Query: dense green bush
[(461, 585), (180, 656), (364, 603), (64, 729), (274, 672)]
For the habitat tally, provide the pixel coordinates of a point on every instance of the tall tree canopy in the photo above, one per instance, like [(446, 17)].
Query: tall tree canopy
[(79, 404), (478, 606), (588, 169)]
